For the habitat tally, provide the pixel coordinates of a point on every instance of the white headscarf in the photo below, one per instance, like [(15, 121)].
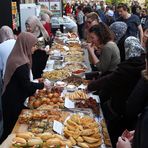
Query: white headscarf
[(133, 47), (6, 33)]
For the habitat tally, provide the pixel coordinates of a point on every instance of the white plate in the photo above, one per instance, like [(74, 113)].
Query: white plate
[(60, 84)]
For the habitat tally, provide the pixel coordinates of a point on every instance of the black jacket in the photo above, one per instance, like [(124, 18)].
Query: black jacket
[(119, 84), (121, 48), (39, 59), (17, 90), (137, 100), (141, 132)]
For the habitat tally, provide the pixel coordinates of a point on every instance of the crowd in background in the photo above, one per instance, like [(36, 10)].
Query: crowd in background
[(116, 38)]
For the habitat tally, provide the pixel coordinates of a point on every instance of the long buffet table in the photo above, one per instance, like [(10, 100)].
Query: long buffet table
[(64, 115)]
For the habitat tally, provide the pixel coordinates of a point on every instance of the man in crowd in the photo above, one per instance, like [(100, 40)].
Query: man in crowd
[(144, 17), (132, 21), (135, 7)]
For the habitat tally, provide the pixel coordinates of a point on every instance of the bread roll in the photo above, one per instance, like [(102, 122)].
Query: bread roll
[(90, 139), (95, 145), (79, 139), (58, 136), (68, 143), (25, 135), (70, 127), (72, 123), (53, 141), (87, 132), (83, 145), (35, 141), (45, 136), (17, 141), (72, 140)]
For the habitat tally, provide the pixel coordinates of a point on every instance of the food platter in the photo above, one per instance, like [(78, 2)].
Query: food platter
[(79, 127), (76, 58), (73, 80), (56, 75), (52, 98), (74, 66)]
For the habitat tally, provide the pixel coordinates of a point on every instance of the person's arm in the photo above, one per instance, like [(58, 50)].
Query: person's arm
[(100, 83), (22, 74), (109, 82), (138, 24), (123, 143), (141, 33), (79, 18), (93, 55), (105, 60)]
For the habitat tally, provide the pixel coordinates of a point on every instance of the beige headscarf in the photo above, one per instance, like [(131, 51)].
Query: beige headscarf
[(6, 33), (21, 54), (37, 27), (45, 17)]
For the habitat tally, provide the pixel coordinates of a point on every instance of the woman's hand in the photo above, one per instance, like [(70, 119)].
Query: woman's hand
[(91, 48), (128, 134), (47, 84), (123, 143)]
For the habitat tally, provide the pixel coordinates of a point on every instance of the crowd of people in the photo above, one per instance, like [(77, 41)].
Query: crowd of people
[(117, 43)]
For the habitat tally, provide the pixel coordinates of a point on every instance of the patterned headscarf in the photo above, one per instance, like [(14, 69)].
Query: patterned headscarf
[(119, 29), (133, 47)]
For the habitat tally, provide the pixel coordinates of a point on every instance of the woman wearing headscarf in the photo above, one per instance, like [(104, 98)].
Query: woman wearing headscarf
[(7, 43), (17, 80), (45, 9), (137, 112), (114, 88), (138, 98), (39, 58), (119, 29), (45, 20)]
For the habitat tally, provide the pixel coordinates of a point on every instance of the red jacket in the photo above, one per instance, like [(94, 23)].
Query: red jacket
[(47, 26), (68, 9)]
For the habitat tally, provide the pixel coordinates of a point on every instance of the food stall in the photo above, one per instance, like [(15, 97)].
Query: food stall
[(64, 115)]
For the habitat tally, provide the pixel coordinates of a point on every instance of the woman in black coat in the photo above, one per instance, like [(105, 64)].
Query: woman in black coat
[(17, 84), (138, 98), (39, 57), (137, 112)]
